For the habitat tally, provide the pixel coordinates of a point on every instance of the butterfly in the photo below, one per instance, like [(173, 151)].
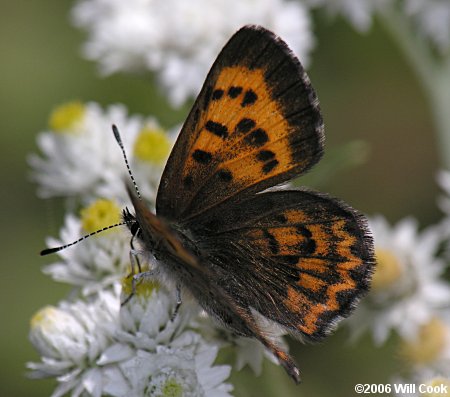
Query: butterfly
[(246, 251), (297, 257)]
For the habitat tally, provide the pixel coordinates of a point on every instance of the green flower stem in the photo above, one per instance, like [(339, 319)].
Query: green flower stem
[(433, 71)]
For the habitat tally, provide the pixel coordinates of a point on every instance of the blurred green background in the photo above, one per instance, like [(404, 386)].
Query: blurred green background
[(367, 92)]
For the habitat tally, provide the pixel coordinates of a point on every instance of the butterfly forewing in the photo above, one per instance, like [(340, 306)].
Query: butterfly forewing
[(255, 124)]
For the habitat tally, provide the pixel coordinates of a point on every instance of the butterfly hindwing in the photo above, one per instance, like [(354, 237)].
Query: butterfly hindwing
[(298, 257), (255, 124)]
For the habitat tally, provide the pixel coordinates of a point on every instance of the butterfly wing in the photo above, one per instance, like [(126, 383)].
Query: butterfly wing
[(256, 123), (298, 257)]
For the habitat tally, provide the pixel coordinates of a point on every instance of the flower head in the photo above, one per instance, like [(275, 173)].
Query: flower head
[(82, 159), (70, 339)]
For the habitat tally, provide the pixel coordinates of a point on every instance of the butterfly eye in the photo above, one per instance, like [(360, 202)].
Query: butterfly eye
[(134, 228), (130, 221)]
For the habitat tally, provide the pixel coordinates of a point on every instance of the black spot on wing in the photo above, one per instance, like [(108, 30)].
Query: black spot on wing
[(268, 167), (217, 94), (202, 157), (304, 231), (216, 128), (225, 175), (265, 155), (308, 245), (234, 92), (257, 138), (250, 98), (245, 125)]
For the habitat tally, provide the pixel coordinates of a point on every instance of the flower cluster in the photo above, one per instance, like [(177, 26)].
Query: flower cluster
[(96, 348)]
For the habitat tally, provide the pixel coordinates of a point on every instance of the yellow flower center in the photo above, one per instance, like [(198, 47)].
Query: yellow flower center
[(429, 344), (100, 214), (44, 317), (152, 145), (67, 117), (172, 388), (387, 271), (144, 288)]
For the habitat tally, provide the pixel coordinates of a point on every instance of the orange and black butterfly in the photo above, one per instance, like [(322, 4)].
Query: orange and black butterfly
[(297, 257)]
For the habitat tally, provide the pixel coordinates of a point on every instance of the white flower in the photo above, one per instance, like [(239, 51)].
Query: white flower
[(407, 289), (70, 338), (433, 20), (99, 349), (358, 12), (179, 40), (81, 157)]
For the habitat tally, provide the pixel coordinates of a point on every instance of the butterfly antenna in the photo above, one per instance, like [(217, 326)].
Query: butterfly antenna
[(48, 251), (119, 141)]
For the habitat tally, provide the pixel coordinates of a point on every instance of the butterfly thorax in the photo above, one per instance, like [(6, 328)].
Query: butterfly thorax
[(164, 241)]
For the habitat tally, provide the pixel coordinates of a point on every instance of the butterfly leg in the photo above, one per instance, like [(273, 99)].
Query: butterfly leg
[(137, 279), (177, 307), (134, 259)]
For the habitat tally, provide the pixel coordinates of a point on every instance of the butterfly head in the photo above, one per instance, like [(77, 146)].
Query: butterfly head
[(131, 222)]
